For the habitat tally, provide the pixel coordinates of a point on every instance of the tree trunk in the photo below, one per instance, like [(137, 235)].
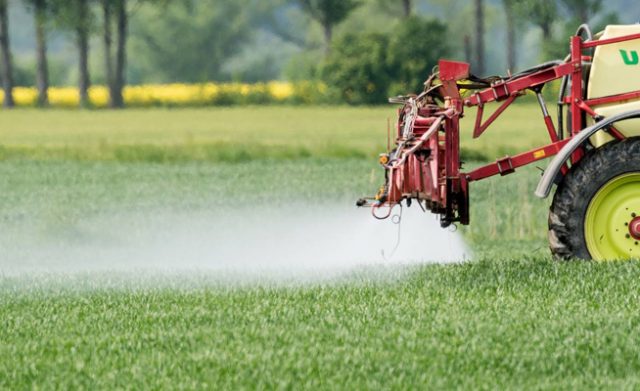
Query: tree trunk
[(407, 8), (511, 35), (83, 65), (467, 49), (82, 32), (7, 68), (121, 55), (546, 38), (108, 67), (546, 31), (479, 14), (42, 68), (328, 36)]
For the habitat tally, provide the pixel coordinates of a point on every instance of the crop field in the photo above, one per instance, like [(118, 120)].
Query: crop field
[(170, 186), (233, 134)]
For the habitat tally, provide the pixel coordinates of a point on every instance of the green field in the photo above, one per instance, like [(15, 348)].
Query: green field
[(235, 134), (510, 318)]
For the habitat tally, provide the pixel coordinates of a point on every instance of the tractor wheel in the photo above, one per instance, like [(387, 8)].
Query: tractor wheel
[(595, 212)]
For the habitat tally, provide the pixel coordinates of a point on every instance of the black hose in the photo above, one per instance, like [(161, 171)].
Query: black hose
[(536, 68), (586, 29), (583, 28)]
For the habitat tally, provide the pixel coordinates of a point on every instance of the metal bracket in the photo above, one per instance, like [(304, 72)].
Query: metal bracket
[(479, 98), (500, 95), (505, 166)]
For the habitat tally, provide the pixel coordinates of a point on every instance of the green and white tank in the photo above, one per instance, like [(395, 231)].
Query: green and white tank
[(616, 70)]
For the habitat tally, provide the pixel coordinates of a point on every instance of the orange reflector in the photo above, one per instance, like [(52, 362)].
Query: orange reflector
[(539, 154)]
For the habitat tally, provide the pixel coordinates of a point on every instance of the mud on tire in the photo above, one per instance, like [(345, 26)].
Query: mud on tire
[(577, 189)]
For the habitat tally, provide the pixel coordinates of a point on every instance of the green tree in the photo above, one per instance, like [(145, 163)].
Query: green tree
[(189, 40), (512, 12), (357, 68), (107, 43), (403, 8), (415, 47), (5, 52), (115, 68), (479, 35), (583, 10), (543, 13), (369, 67), (329, 13), (282, 19), (77, 16), (41, 13), (407, 7), (558, 47), (83, 19)]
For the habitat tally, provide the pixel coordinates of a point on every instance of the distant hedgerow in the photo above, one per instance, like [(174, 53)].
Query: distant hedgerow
[(184, 95)]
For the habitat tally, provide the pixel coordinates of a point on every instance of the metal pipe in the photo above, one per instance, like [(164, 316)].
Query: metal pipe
[(542, 104), (561, 94)]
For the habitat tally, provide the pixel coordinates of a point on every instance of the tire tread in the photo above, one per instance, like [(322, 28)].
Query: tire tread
[(579, 186)]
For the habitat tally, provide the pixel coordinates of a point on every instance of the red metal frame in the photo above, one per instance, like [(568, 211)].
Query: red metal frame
[(426, 165)]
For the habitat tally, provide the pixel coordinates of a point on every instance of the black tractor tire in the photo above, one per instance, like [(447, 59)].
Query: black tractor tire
[(577, 189)]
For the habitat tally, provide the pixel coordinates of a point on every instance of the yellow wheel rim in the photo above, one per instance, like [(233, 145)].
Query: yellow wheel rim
[(612, 222)]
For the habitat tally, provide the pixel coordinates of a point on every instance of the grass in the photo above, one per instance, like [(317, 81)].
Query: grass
[(235, 134), (510, 319), (507, 324), (58, 196)]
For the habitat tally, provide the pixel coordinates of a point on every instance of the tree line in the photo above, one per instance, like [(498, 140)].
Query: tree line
[(78, 17), (543, 14), (365, 67), (519, 15), (391, 45)]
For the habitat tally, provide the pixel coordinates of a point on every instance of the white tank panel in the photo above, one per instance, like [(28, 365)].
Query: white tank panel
[(616, 70)]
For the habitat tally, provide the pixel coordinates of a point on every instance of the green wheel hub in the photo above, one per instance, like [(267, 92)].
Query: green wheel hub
[(612, 222)]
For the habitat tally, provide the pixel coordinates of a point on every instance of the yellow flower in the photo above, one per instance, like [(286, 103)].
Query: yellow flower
[(178, 94), (281, 90), (24, 96), (64, 96)]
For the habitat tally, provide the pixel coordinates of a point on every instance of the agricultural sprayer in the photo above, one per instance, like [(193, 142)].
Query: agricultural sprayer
[(594, 142)]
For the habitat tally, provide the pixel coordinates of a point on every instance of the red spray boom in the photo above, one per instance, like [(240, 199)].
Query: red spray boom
[(597, 217)]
